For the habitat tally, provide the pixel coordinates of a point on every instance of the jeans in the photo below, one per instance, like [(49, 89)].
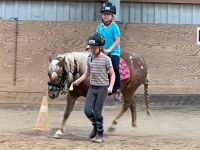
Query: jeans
[(95, 99)]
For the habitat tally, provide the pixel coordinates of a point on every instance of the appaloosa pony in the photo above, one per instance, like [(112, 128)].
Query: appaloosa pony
[(66, 68)]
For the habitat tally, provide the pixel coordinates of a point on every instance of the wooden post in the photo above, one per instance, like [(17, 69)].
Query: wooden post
[(15, 52)]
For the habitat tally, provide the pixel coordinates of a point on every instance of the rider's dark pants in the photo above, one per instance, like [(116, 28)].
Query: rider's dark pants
[(94, 104), (115, 63)]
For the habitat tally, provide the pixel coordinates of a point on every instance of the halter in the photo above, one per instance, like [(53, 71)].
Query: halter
[(61, 86)]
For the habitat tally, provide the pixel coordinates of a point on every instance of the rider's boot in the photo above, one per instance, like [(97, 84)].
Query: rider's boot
[(118, 95)]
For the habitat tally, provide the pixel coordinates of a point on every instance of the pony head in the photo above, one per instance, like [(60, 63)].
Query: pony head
[(57, 77)]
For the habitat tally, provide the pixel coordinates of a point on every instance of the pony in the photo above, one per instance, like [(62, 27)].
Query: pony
[(66, 68)]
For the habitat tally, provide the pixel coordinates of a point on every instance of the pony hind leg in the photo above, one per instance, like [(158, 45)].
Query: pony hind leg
[(69, 107), (127, 102), (123, 109), (133, 112), (128, 95)]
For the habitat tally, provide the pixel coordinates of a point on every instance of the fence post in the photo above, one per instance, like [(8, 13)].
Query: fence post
[(15, 52)]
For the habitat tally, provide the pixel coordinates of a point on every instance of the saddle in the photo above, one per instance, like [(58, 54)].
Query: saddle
[(123, 70)]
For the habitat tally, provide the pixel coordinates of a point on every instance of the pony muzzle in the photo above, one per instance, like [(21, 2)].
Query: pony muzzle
[(53, 94)]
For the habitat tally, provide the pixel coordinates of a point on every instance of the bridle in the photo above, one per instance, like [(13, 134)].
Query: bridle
[(60, 87)]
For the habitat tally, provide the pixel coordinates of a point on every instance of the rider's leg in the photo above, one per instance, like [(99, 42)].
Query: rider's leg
[(116, 89)]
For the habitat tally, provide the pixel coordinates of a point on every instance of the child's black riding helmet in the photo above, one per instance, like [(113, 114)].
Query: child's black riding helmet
[(108, 6), (96, 39)]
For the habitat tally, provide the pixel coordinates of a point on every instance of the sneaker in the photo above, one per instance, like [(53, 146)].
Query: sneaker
[(118, 96)]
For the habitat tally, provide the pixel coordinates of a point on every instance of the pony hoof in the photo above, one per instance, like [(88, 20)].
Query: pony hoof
[(134, 125), (133, 130), (111, 128), (58, 134), (149, 113), (114, 123)]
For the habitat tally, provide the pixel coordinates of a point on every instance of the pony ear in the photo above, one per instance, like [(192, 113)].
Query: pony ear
[(61, 61), (87, 48), (50, 58)]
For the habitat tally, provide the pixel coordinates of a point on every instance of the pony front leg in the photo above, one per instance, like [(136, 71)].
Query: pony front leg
[(69, 107), (128, 102)]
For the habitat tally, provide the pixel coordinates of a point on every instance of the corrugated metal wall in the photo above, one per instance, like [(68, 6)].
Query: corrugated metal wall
[(50, 10), (160, 13), (89, 11)]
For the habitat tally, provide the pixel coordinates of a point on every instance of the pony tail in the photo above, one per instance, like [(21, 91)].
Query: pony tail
[(146, 96)]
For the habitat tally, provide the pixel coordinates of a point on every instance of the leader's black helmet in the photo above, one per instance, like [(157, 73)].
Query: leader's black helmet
[(96, 39)]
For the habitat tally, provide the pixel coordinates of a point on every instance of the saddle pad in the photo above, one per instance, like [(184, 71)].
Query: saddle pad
[(123, 70)]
